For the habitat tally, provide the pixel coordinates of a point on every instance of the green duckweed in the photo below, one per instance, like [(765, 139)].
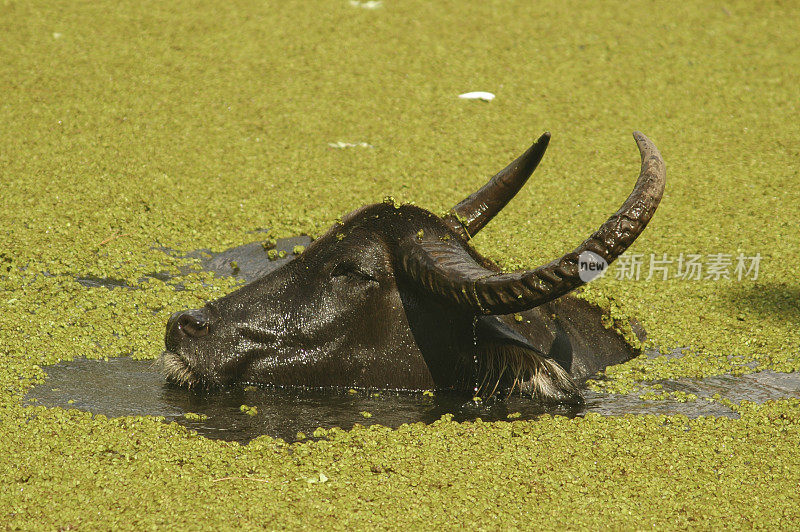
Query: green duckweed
[(134, 128)]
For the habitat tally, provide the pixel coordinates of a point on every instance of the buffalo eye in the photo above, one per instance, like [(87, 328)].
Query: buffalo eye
[(350, 271)]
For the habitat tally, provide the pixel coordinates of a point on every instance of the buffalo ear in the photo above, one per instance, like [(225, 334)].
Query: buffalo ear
[(509, 360), (493, 329)]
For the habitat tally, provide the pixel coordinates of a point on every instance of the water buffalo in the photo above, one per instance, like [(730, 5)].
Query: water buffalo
[(393, 296)]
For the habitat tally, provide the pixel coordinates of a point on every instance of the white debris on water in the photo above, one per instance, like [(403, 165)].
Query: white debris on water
[(322, 478), (341, 145), (477, 95), (372, 4)]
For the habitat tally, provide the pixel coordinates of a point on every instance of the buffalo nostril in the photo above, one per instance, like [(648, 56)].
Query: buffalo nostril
[(193, 324)]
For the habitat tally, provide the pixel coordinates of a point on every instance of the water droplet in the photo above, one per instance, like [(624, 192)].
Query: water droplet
[(475, 355)]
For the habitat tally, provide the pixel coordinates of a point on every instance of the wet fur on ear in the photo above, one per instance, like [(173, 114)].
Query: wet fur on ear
[(512, 368), (508, 361)]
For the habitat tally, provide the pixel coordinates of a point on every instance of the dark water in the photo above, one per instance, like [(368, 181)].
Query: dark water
[(122, 387)]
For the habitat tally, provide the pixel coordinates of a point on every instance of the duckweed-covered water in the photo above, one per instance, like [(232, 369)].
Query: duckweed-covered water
[(134, 129)]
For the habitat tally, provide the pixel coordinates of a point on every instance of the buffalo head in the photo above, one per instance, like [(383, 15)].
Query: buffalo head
[(393, 296)]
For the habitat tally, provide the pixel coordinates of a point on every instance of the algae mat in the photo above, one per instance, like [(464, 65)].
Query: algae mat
[(129, 127)]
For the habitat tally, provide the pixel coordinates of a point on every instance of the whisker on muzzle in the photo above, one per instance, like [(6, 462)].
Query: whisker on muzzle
[(176, 370)]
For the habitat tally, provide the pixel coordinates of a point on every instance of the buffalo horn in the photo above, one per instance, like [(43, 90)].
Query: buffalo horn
[(446, 268), (474, 212)]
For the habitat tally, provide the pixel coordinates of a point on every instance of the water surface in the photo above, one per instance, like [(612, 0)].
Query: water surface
[(123, 386)]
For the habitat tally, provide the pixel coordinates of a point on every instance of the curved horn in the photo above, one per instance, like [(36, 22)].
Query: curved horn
[(447, 269), (469, 216)]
